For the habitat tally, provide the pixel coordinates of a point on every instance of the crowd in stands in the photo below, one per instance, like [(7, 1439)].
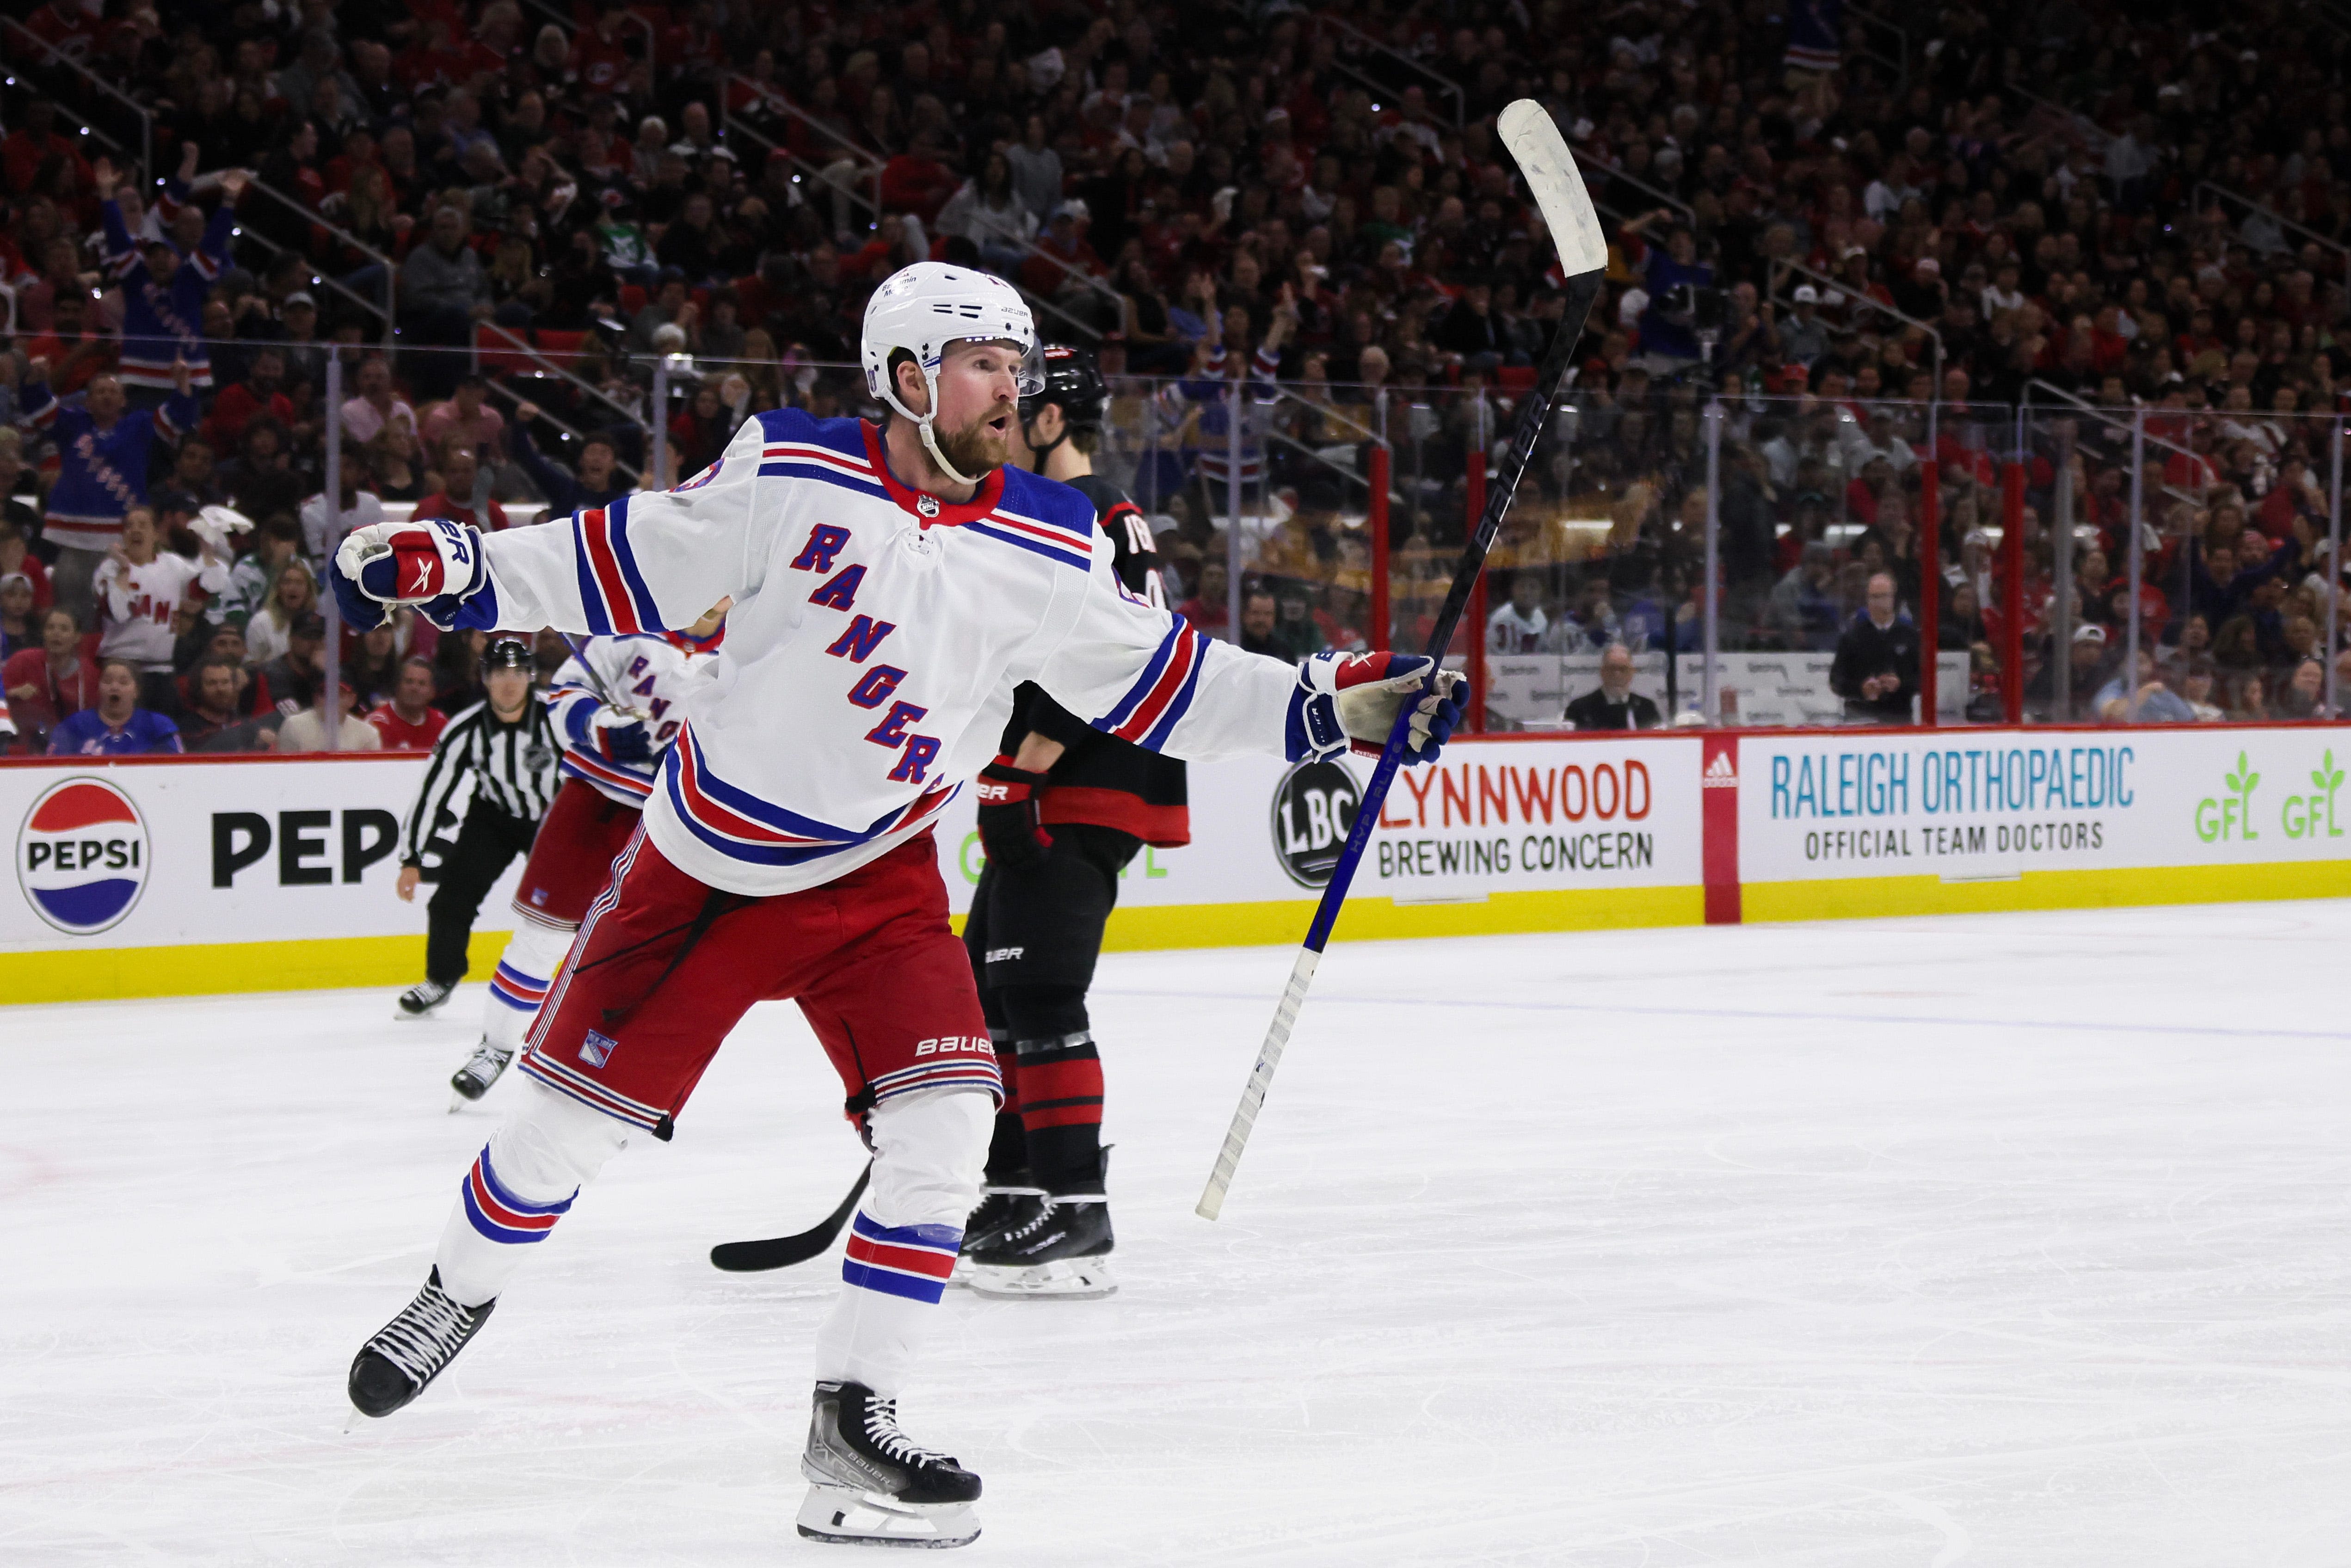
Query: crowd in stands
[(1289, 236)]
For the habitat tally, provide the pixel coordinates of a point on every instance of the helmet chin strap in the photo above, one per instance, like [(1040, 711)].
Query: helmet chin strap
[(922, 425), (1041, 453)]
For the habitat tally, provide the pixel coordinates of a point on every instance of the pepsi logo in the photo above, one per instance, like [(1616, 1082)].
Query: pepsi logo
[(82, 856)]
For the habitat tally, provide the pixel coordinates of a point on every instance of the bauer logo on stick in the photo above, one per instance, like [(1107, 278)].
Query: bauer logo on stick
[(1313, 808), (82, 856)]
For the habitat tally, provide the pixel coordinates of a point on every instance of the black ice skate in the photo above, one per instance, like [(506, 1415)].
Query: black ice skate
[(410, 1351), (874, 1486), (1062, 1251), (1001, 1210), (481, 1069), (420, 999)]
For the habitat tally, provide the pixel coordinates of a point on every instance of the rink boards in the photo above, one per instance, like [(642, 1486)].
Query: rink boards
[(183, 876)]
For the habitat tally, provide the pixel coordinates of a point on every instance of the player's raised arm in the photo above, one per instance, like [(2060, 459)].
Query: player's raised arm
[(1145, 675), (653, 561)]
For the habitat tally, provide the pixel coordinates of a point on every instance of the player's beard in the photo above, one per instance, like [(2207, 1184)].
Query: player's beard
[(978, 447)]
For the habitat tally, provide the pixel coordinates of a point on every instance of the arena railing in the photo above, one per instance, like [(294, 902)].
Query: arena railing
[(21, 36), (1725, 538)]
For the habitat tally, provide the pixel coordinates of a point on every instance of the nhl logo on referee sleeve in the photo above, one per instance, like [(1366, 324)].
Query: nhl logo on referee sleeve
[(597, 1050)]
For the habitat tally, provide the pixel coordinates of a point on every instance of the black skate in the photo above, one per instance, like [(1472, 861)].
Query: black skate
[(1001, 1210), (874, 1486), (481, 1069), (411, 1351), (421, 998), (1062, 1251)]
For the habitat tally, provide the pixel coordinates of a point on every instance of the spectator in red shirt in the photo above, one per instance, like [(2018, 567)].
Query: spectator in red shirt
[(410, 722), (22, 152), (236, 404), (916, 181), (50, 682), (454, 500)]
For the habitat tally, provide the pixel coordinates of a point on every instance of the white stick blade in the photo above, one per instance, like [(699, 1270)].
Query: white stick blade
[(1543, 156)]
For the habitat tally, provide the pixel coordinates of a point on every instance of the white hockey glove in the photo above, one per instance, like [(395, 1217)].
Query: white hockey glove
[(432, 564), (1350, 701)]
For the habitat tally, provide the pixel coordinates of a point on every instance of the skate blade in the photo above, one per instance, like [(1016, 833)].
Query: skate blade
[(1065, 1279), (850, 1517)]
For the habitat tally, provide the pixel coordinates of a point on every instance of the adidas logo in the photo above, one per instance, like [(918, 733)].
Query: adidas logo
[(1720, 774)]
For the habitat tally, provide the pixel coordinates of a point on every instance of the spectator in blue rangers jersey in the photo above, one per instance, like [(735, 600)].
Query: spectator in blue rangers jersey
[(118, 725), (164, 283), (102, 451)]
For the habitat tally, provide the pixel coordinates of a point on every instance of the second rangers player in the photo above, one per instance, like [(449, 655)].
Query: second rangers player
[(892, 586), (617, 703)]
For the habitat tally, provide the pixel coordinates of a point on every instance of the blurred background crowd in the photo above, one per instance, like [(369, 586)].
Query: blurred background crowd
[(1863, 261)]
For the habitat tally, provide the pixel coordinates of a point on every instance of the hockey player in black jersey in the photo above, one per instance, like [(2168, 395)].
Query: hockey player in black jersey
[(1062, 809)]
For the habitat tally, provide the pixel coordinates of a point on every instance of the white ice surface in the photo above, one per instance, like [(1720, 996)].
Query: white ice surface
[(2004, 1240)]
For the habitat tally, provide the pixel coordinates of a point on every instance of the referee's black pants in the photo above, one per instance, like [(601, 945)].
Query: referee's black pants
[(486, 844)]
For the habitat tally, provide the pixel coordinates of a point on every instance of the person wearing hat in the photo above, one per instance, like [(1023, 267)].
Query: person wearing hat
[(508, 746), (1804, 336), (2087, 656)]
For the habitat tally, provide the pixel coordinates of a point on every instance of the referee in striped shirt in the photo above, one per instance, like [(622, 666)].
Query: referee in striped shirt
[(507, 746)]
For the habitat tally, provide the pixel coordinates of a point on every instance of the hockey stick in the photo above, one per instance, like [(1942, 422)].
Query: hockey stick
[(1543, 157), (783, 1252), (578, 646)]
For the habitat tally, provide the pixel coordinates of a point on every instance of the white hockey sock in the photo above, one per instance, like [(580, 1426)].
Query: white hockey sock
[(521, 1182), (521, 983), (928, 1148)]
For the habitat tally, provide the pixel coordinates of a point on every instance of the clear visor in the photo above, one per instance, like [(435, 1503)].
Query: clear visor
[(1029, 370)]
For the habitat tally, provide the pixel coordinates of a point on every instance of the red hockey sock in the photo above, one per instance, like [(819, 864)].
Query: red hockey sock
[(1060, 1108)]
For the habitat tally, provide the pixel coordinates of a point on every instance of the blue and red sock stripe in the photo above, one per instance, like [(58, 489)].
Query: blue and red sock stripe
[(501, 1215), (909, 1261), (516, 990)]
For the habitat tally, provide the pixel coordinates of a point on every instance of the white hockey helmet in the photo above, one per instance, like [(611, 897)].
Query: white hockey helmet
[(924, 308)]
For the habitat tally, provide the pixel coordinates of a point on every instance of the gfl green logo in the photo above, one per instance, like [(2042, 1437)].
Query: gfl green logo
[(2312, 816), (2224, 816)]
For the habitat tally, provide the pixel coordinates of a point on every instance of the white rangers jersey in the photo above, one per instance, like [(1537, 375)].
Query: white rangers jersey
[(648, 676), (876, 639)]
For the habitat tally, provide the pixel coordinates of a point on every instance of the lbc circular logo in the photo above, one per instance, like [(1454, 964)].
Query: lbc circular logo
[(82, 856), (1314, 809)]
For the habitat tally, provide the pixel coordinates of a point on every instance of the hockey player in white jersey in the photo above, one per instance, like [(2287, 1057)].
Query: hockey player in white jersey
[(892, 586), (617, 702)]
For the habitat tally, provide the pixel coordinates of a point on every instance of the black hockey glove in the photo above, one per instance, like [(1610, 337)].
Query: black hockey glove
[(1010, 830)]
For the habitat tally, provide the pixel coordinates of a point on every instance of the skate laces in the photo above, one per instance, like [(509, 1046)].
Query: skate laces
[(486, 1055), (882, 1431), (428, 1332)]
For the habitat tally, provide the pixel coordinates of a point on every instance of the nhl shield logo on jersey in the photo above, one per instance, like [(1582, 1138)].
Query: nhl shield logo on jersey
[(928, 505), (82, 856), (1314, 809)]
